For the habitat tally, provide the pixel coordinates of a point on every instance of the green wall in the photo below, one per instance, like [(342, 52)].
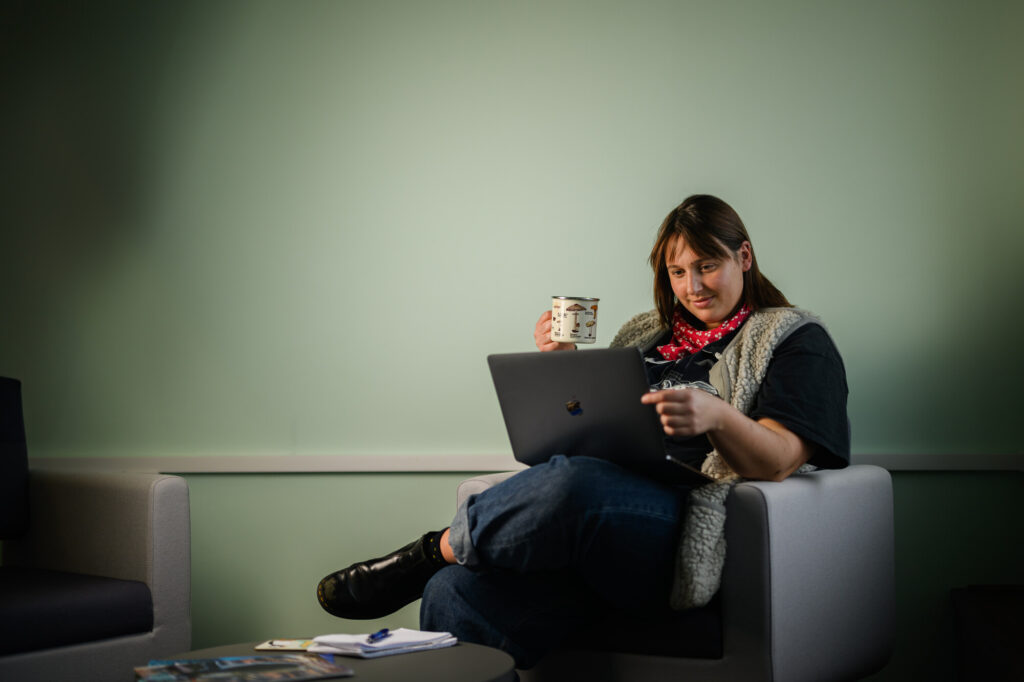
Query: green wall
[(953, 530), (261, 543), (248, 227)]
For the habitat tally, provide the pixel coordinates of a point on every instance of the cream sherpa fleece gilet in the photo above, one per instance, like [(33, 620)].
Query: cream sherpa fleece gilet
[(737, 376)]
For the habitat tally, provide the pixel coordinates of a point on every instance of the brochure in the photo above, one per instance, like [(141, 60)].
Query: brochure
[(285, 645), (256, 668)]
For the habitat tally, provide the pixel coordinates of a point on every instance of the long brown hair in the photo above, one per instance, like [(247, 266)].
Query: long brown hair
[(712, 229)]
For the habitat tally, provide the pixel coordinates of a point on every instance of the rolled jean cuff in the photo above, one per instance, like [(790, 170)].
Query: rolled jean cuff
[(459, 538)]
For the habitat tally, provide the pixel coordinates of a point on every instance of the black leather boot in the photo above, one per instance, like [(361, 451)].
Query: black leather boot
[(378, 587)]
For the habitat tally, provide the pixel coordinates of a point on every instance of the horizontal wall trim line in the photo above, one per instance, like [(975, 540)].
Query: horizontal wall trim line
[(214, 464), (284, 464)]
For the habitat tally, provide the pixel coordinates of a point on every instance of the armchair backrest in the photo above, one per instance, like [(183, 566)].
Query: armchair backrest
[(13, 462)]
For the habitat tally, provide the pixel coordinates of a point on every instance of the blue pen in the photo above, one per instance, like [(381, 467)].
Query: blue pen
[(377, 636)]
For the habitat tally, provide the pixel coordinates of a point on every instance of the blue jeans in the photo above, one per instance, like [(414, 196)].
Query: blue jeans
[(547, 550)]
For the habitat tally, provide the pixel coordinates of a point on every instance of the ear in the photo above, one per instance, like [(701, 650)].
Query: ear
[(746, 255)]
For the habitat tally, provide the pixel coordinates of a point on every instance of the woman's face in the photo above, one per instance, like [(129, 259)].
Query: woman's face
[(709, 288)]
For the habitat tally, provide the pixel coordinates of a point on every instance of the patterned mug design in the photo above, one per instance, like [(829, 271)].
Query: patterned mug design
[(574, 319)]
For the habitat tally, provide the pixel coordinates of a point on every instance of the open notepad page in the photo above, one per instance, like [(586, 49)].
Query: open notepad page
[(400, 641)]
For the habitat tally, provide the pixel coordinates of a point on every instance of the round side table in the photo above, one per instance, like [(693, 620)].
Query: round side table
[(463, 662)]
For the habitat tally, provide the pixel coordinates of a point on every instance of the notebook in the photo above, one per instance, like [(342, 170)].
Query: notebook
[(584, 403)]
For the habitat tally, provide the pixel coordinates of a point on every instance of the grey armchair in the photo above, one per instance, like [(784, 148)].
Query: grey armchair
[(95, 577), (808, 593)]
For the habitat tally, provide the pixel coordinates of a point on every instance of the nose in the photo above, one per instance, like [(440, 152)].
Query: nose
[(694, 284)]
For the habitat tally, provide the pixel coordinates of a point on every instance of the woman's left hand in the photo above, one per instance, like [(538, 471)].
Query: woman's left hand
[(686, 412), (763, 449)]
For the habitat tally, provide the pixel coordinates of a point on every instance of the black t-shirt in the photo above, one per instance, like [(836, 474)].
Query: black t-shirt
[(804, 390)]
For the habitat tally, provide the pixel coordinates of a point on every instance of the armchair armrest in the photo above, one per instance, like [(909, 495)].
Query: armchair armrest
[(132, 526), (478, 484), (820, 548)]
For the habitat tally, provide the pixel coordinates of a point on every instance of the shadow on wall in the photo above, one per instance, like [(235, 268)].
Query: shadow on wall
[(78, 81)]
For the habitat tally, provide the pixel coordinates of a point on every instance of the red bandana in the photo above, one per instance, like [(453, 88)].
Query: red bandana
[(687, 339)]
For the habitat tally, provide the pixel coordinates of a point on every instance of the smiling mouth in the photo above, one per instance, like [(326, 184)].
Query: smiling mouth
[(703, 302)]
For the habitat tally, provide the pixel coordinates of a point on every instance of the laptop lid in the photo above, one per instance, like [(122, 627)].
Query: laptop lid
[(584, 403)]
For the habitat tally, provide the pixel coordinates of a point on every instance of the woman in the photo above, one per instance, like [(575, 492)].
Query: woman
[(531, 559)]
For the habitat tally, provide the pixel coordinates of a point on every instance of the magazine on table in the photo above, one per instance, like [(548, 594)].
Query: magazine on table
[(255, 668)]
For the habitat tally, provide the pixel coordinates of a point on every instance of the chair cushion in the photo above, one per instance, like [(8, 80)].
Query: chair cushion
[(42, 609), (694, 633)]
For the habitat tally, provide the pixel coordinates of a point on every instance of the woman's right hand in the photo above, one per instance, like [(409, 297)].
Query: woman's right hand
[(542, 335)]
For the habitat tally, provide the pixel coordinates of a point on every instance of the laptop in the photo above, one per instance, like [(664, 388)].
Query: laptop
[(584, 404)]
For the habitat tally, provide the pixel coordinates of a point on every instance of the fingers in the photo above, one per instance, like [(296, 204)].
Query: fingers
[(542, 330), (542, 335), (670, 403), (667, 396), (679, 410), (653, 398), (548, 346)]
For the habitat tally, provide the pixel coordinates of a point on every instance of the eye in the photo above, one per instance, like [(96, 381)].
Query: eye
[(676, 272), (708, 267)]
